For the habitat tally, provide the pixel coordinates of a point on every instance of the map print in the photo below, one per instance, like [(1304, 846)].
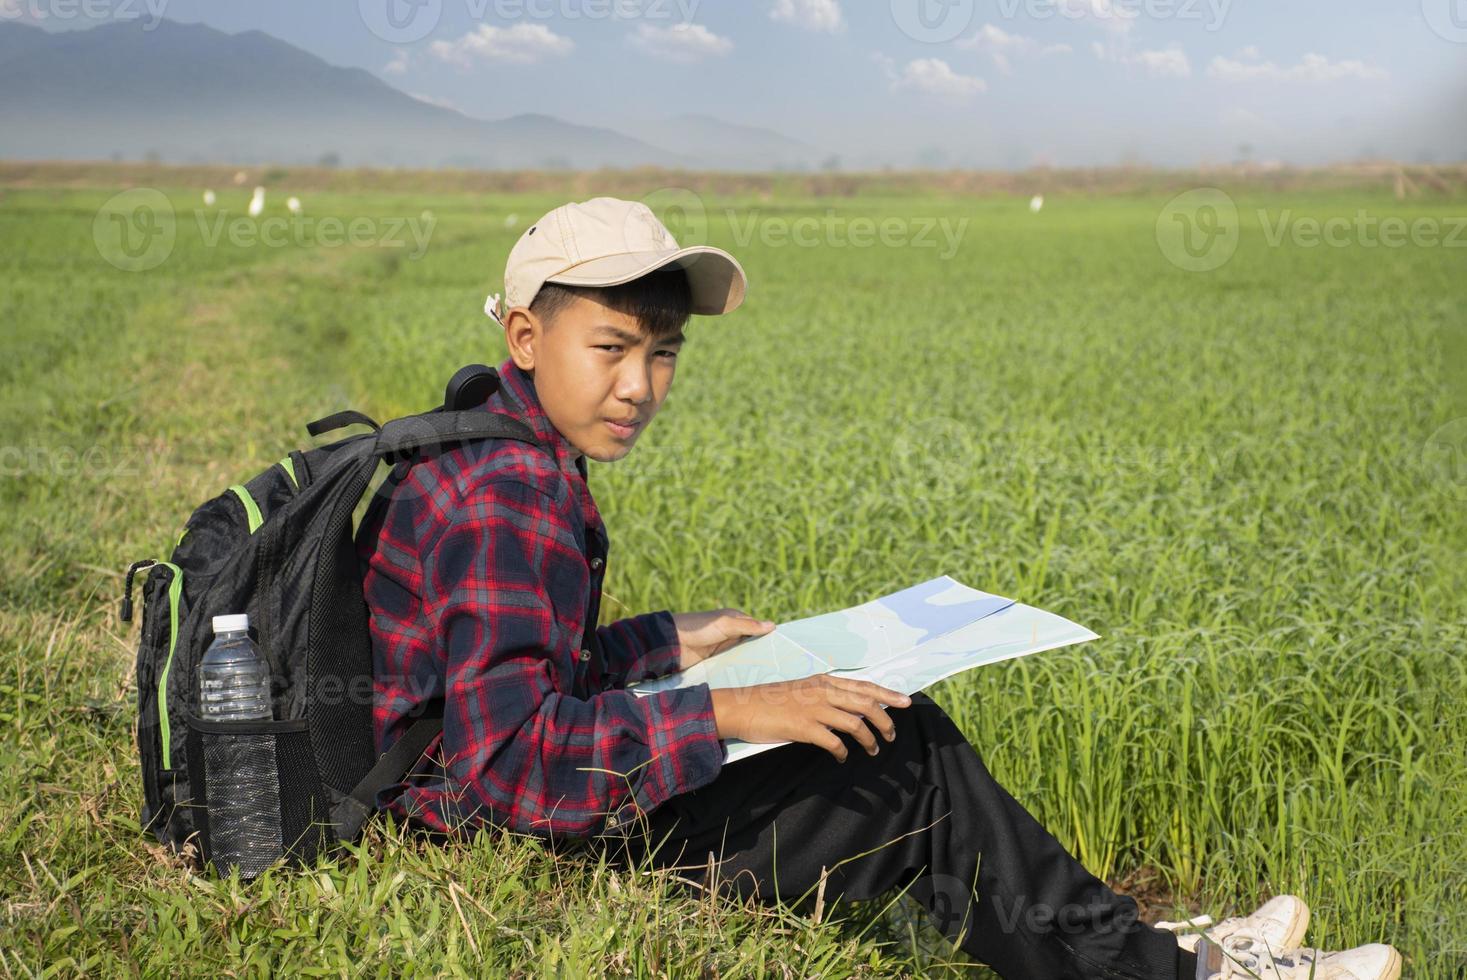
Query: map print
[(906, 641)]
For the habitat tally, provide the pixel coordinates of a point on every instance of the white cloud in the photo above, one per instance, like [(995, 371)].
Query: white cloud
[(1248, 67), (399, 63), (682, 43), (1164, 63), (434, 100), (1168, 62), (814, 15), (1001, 46), (522, 44), (998, 44), (933, 76)]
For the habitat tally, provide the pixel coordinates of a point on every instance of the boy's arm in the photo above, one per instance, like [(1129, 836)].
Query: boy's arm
[(639, 648), (503, 584)]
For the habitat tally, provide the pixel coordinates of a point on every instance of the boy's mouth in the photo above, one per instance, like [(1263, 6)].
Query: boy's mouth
[(623, 430)]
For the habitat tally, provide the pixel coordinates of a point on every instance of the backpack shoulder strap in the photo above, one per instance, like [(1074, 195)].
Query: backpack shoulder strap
[(355, 808), (401, 436)]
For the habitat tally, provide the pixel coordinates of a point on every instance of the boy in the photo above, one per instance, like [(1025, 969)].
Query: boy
[(484, 565)]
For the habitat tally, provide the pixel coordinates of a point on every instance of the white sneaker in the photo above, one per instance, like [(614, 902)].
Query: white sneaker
[(1279, 924), (1373, 962)]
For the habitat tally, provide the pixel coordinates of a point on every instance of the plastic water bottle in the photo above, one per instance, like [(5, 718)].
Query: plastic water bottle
[(242, 778), (234, 680)]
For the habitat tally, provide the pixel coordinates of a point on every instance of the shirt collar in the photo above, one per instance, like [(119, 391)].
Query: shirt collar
[(517, 391)]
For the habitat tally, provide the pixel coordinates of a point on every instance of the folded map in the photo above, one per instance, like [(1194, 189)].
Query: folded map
[(905, 641)]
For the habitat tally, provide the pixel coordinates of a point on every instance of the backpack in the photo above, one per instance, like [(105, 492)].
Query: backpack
[(280, 548)]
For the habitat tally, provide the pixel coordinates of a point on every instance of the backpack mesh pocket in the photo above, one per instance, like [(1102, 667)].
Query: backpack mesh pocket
[(260, 798)]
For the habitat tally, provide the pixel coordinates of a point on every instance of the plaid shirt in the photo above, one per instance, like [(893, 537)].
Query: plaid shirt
[(483, 565)]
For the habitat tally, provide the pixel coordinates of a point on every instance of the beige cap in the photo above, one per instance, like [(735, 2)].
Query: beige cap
[(605, 242)]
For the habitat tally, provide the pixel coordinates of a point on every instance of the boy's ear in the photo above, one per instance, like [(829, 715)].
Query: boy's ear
[(522, 332)]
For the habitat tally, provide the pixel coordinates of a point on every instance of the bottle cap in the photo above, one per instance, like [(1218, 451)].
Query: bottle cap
[(236, 623)]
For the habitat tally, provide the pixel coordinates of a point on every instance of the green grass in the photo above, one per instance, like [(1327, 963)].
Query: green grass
[(1224, 474)]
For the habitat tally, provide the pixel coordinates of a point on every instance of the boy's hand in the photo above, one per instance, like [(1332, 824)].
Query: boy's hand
[(702, 634), (811, 710)]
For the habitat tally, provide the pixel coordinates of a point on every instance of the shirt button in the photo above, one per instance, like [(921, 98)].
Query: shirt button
[(585, 655), (596, 564)]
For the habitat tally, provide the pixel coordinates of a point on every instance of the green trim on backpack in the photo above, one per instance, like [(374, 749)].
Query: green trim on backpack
[(252, 510), (175, 592), (289, 468)]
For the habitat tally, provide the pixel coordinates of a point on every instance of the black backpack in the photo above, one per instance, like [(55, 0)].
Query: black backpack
[(280, 548)]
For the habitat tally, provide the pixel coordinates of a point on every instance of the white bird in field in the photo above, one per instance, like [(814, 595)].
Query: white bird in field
[(1036, 203), (293, 205), (257, 203), (209, 199), (511, 220)]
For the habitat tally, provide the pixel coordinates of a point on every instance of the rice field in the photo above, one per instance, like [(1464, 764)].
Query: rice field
[(1242, 478)]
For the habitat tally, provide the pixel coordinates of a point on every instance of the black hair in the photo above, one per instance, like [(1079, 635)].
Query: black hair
[(661, 301)]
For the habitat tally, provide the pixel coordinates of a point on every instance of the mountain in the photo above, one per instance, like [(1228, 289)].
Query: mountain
[(715, 143), (190, 93)]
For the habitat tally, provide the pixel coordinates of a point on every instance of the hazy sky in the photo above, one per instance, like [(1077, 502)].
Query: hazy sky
[(993, 83)]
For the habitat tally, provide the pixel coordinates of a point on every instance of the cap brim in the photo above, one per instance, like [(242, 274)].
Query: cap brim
[(714, 276)]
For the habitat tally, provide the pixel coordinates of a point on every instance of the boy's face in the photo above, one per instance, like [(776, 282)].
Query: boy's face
[(599, 375)]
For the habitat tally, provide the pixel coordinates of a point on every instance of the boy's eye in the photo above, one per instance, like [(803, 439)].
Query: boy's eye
[(669, 354), (610, 347)]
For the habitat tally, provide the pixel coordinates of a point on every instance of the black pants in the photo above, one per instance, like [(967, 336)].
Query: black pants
[(934, 819)]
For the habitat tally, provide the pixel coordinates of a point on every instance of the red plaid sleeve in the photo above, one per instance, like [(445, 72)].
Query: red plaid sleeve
[(503, 589), (639, 648)]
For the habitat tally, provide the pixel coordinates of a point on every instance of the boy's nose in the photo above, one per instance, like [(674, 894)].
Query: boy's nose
[(635, 384)]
